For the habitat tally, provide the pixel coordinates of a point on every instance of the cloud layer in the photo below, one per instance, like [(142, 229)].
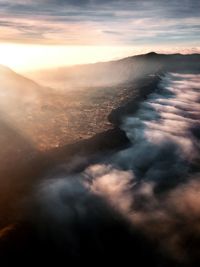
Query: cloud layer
[(101, 22), (151, 188)]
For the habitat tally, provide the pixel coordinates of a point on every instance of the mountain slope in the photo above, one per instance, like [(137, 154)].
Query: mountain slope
[(116, 72), (13, 81)]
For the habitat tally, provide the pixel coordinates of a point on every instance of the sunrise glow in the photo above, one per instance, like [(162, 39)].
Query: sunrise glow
[(23, 57)]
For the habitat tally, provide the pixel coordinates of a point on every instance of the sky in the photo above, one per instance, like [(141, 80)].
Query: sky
[(48, 33)]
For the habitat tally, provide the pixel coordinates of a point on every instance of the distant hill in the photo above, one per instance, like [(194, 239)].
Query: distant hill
[(118, 71)]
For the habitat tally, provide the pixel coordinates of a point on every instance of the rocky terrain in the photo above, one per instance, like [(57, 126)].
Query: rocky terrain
[(94, 173)]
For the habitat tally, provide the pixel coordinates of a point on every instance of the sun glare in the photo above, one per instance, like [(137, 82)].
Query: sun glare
[(30, 57), (25, 57)]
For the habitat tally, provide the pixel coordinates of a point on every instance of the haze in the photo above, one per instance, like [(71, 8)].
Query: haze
[(100, 163), (49, 33)]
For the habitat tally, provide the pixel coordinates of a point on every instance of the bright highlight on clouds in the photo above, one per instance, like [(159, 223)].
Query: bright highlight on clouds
[(100, 30), (157, 192), (100, 22)]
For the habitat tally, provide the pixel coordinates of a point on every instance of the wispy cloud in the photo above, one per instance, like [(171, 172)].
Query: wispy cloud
[(92, 22)]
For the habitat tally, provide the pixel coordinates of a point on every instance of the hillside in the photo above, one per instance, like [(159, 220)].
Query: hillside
[(100, 187), (116, 72)]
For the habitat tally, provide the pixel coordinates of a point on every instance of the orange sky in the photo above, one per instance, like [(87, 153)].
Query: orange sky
[(27, 57), (50, 33)]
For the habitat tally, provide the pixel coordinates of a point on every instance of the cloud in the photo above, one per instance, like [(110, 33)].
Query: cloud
[(135, 21), (149, 191), (139, 204)]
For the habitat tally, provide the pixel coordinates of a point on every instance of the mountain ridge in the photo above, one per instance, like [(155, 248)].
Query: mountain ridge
[(115, 72), (6, 69)]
